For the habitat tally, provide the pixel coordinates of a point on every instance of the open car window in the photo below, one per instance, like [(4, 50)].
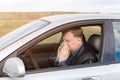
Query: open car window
[(42, 54)]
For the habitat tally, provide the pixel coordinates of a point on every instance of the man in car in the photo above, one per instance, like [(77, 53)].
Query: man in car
[(73, 50)]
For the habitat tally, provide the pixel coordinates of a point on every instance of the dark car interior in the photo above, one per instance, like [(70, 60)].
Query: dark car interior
[(38, 57)]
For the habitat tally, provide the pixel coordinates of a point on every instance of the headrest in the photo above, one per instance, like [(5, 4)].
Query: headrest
[(94, 42)]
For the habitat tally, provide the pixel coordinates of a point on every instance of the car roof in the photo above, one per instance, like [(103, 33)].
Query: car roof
[(81, 17)]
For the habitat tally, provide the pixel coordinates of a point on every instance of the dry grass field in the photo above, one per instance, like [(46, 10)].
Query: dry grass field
[(12, 20)]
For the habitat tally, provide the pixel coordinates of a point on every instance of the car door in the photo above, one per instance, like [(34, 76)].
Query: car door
[(72, 73), (68, 73), (94, 71), (115, 63)]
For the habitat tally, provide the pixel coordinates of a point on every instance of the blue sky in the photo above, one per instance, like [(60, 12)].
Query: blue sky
[(104, 6)]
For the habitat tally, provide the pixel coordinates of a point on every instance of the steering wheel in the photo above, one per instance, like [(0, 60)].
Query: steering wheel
[(32, 60)]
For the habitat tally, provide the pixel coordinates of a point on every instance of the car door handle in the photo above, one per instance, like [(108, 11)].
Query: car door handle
[(88, 79)]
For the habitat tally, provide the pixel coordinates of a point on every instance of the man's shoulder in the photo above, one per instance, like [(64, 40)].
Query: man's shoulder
[(86, 54), (86, 50)]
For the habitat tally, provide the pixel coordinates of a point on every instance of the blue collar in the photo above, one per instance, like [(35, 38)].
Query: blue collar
[(77, 51)]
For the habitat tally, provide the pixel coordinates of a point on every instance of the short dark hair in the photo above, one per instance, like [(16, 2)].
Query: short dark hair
[(77, 32)]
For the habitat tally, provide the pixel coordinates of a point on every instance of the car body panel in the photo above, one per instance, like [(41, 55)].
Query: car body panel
[(76, 74), (73, 17), (104, 72)]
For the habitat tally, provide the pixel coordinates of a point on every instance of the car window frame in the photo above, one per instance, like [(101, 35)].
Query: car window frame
[(109, 42), (104, 22)]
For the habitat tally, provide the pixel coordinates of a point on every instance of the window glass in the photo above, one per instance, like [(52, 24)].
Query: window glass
[(21, 32), (116, 27)]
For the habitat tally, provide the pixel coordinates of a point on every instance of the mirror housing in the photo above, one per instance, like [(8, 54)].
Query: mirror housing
[(14, 67)]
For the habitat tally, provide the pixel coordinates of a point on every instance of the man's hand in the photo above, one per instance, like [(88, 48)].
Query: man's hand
[(63, 52)]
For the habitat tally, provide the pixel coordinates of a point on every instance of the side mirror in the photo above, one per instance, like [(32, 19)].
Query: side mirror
[(14, 67)]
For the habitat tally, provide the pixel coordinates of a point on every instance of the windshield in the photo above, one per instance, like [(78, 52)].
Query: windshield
[(21, 32)]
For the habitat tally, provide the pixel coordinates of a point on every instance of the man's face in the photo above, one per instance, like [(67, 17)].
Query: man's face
[(73, 42)]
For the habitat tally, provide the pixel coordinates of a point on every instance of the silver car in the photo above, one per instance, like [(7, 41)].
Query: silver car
[(27, 53)]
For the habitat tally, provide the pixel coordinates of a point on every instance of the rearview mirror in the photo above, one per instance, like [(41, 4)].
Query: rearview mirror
[(14, 67)]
